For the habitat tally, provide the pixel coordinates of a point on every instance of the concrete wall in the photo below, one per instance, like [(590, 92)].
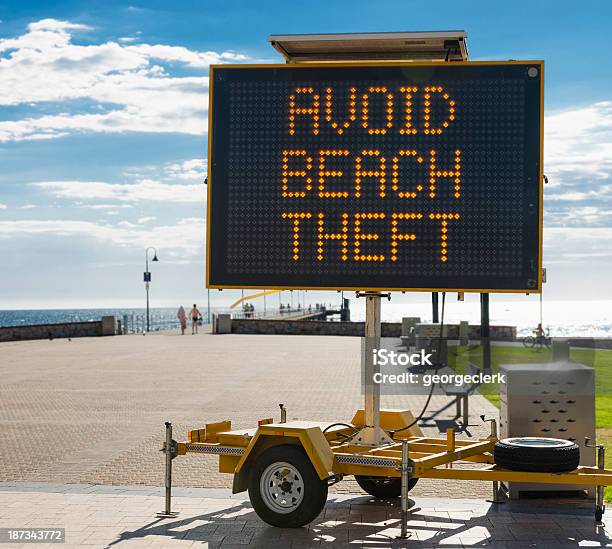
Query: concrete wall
[(355, 329), (106, 326), (590, 343)]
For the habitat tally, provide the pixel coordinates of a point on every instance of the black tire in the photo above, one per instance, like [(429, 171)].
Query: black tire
[(384, 487), (529, 342), (314, 493), (537, 454)]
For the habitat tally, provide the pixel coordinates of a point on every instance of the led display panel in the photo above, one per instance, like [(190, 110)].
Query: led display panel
[(376, 176)]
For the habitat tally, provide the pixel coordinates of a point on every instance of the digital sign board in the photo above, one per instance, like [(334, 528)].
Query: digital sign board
[(380, 176)]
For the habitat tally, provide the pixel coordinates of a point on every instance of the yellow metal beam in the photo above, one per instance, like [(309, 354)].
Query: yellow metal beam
[(581, 476), (423, 464), (253, 296), (372, 463)]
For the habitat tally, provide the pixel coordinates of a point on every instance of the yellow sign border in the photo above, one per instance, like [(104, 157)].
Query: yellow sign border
[(539, 63)]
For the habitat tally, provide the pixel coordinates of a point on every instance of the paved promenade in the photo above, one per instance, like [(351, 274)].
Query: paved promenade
[(91, 410), (81, 424), (106, 517)]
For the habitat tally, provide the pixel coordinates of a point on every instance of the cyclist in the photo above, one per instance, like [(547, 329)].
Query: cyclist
[(539, 339), (539, 332)]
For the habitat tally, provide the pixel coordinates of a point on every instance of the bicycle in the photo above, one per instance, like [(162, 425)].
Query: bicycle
[(537, 342)]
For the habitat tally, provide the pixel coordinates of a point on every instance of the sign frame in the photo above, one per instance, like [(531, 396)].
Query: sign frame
[(460, 64)]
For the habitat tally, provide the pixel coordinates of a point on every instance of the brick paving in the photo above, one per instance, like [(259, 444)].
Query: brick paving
[(121, 516), (91, 410)]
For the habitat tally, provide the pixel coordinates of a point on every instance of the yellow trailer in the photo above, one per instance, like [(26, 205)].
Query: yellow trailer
[(287, 467)]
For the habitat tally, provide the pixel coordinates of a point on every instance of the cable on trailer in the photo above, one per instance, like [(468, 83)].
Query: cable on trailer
[(433, 385)]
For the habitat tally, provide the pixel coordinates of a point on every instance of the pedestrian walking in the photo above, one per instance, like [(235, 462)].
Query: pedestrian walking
[(195, 317), (182, 316)]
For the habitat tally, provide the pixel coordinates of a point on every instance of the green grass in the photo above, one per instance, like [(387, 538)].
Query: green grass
[(460, 357)]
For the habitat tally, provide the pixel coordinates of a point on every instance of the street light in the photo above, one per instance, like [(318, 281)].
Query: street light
[(147, 276)]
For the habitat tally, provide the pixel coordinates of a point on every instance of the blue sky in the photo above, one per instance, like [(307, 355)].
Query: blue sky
[(103, 109)]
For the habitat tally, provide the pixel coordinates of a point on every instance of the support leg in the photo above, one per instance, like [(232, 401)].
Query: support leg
[(372, 342), (599, 492), (600, 506), (406, 470), (169, 451), (498, 494), (371, 434), (485, 333)]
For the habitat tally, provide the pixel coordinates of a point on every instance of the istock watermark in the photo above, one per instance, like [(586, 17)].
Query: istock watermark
[(413, 365), (412, 369), (433, 379), (384, 357)]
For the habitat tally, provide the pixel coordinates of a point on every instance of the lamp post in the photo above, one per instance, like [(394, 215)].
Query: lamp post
[(147, 276)]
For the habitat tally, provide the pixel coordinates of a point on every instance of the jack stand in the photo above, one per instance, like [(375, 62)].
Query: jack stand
[(498, 495), (371, 434), (406, 470), (170, 451), (600, 507)]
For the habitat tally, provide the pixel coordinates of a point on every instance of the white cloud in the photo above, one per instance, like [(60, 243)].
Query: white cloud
[(144, 220), (56, 25), (578, 143), (3, 206), (29, 206), (194, 169), (137, 94), (179, 54), (104, 206), (143, 190), (572, 196), (578, 162), (178, 240), (566, 244)]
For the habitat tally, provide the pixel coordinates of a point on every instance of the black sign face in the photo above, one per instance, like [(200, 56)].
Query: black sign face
[(386, 177)]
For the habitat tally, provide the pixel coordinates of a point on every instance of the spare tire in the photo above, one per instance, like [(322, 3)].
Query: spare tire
[(537, 454)]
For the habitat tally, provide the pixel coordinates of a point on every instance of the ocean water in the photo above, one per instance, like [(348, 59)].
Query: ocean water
[(562, 318), (25, 317), (160, 318)]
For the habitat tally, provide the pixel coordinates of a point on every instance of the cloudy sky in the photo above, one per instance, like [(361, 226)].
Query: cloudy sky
[(103, 117)]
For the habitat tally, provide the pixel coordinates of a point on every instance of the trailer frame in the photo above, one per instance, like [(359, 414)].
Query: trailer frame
[(333, 454)]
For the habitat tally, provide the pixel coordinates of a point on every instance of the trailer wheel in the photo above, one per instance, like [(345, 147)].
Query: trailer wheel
[(284, 487), (537, 454), (384, 487)]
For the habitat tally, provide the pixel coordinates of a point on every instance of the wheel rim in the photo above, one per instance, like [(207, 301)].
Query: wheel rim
[(538, 442), (281, 487)]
